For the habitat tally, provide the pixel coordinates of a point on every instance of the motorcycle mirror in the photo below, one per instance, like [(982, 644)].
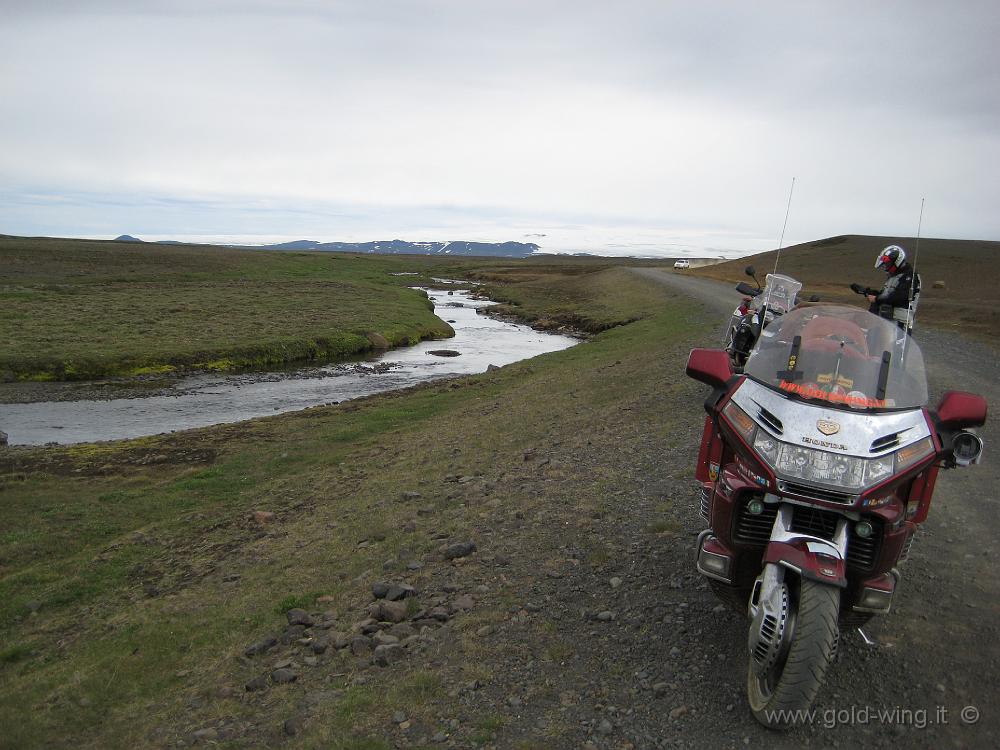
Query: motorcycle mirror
[(814, 298), (750, 271), (958, 410), (709, 366)]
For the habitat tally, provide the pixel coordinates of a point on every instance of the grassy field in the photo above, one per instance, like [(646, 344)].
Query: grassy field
[(75, 309), (132, 574), (964, 300)]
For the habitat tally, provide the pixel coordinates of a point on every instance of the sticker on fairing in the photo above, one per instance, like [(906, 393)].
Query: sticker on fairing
[(713, 471)]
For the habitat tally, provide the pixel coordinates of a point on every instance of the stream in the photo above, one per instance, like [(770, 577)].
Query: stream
[(202, 400)]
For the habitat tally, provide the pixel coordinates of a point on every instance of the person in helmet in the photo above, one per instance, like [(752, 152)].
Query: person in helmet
[(896, 293)]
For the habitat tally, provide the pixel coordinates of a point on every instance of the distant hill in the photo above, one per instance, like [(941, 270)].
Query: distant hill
[(127, 238)]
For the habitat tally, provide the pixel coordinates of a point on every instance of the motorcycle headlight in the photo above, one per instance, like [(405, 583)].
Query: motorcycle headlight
[(846, 472), (814, 465), (767, 447), (879, 469)]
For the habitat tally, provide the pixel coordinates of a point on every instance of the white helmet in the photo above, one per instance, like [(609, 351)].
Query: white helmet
[(890, 258)]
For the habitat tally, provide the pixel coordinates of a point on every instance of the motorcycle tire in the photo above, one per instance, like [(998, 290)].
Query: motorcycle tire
[(791, 686)]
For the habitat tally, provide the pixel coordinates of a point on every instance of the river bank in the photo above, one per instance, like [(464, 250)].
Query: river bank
[(479, 342)]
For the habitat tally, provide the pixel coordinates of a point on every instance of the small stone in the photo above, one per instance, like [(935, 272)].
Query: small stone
[(411, 495), (382, 638), (320, 645), (440, 737), (606, 616), (402, 631), (310, 661), (399, 717), (615, 582), (298, 616), (284, 676), (463, 603), (209, 734), (386, 611), (414, 565), (263, 517), (484, 631), (605, 727), (386, 655), (440, 614), (461, 549), (675, 651), (380, 589), (678, 712), (660, 689), (400, 591), (293, 725), (514, 702), (257, 683), (265, 644), (360, 645), (291, 634)]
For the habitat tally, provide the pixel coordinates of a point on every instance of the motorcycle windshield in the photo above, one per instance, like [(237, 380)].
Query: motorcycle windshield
[(780, 292), (840, 356)]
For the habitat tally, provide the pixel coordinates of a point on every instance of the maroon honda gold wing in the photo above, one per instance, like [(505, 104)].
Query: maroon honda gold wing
[(817, 465)]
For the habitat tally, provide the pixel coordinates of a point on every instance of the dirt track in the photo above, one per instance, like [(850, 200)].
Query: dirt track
[(939, 647)]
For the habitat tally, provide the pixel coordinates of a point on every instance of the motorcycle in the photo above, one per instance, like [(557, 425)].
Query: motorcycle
[(816, 467), (760, 306)]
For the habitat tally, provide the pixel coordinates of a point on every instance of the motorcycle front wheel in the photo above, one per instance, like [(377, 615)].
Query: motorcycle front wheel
[(791, 685)]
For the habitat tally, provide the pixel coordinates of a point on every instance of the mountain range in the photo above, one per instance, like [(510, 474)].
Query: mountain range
[(390, 247)]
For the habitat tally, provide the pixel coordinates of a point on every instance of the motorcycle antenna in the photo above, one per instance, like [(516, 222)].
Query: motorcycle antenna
[(914, 281), (781, 238), (777, 256)]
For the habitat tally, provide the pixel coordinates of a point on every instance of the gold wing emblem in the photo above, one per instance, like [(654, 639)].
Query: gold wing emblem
[(827, 427)]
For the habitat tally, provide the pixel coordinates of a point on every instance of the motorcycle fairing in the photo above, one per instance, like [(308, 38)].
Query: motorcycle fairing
[(857, 432)]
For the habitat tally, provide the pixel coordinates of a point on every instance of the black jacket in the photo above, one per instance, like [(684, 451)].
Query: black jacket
[(896, 291)]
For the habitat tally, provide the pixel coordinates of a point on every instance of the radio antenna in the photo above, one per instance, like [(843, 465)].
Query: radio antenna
[(915, 280), (916, 249), (781, 239)]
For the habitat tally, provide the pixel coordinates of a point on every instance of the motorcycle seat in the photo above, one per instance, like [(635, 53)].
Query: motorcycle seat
[(829, 334)]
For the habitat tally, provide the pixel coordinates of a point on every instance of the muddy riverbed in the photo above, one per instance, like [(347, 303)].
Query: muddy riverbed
[(36, 414)]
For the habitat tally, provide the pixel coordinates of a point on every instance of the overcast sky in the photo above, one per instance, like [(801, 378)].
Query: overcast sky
[(624, 126)]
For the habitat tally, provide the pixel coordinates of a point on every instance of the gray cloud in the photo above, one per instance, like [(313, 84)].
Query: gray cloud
[(637, 114)]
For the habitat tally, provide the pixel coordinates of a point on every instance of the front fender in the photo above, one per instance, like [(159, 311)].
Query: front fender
[(811, 558), (815, 558)]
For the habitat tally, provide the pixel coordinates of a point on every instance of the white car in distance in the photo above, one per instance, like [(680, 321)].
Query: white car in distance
[(682, 264)]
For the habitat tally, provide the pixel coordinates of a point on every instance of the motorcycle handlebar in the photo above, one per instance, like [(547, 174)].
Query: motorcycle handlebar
[(858, 289)]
